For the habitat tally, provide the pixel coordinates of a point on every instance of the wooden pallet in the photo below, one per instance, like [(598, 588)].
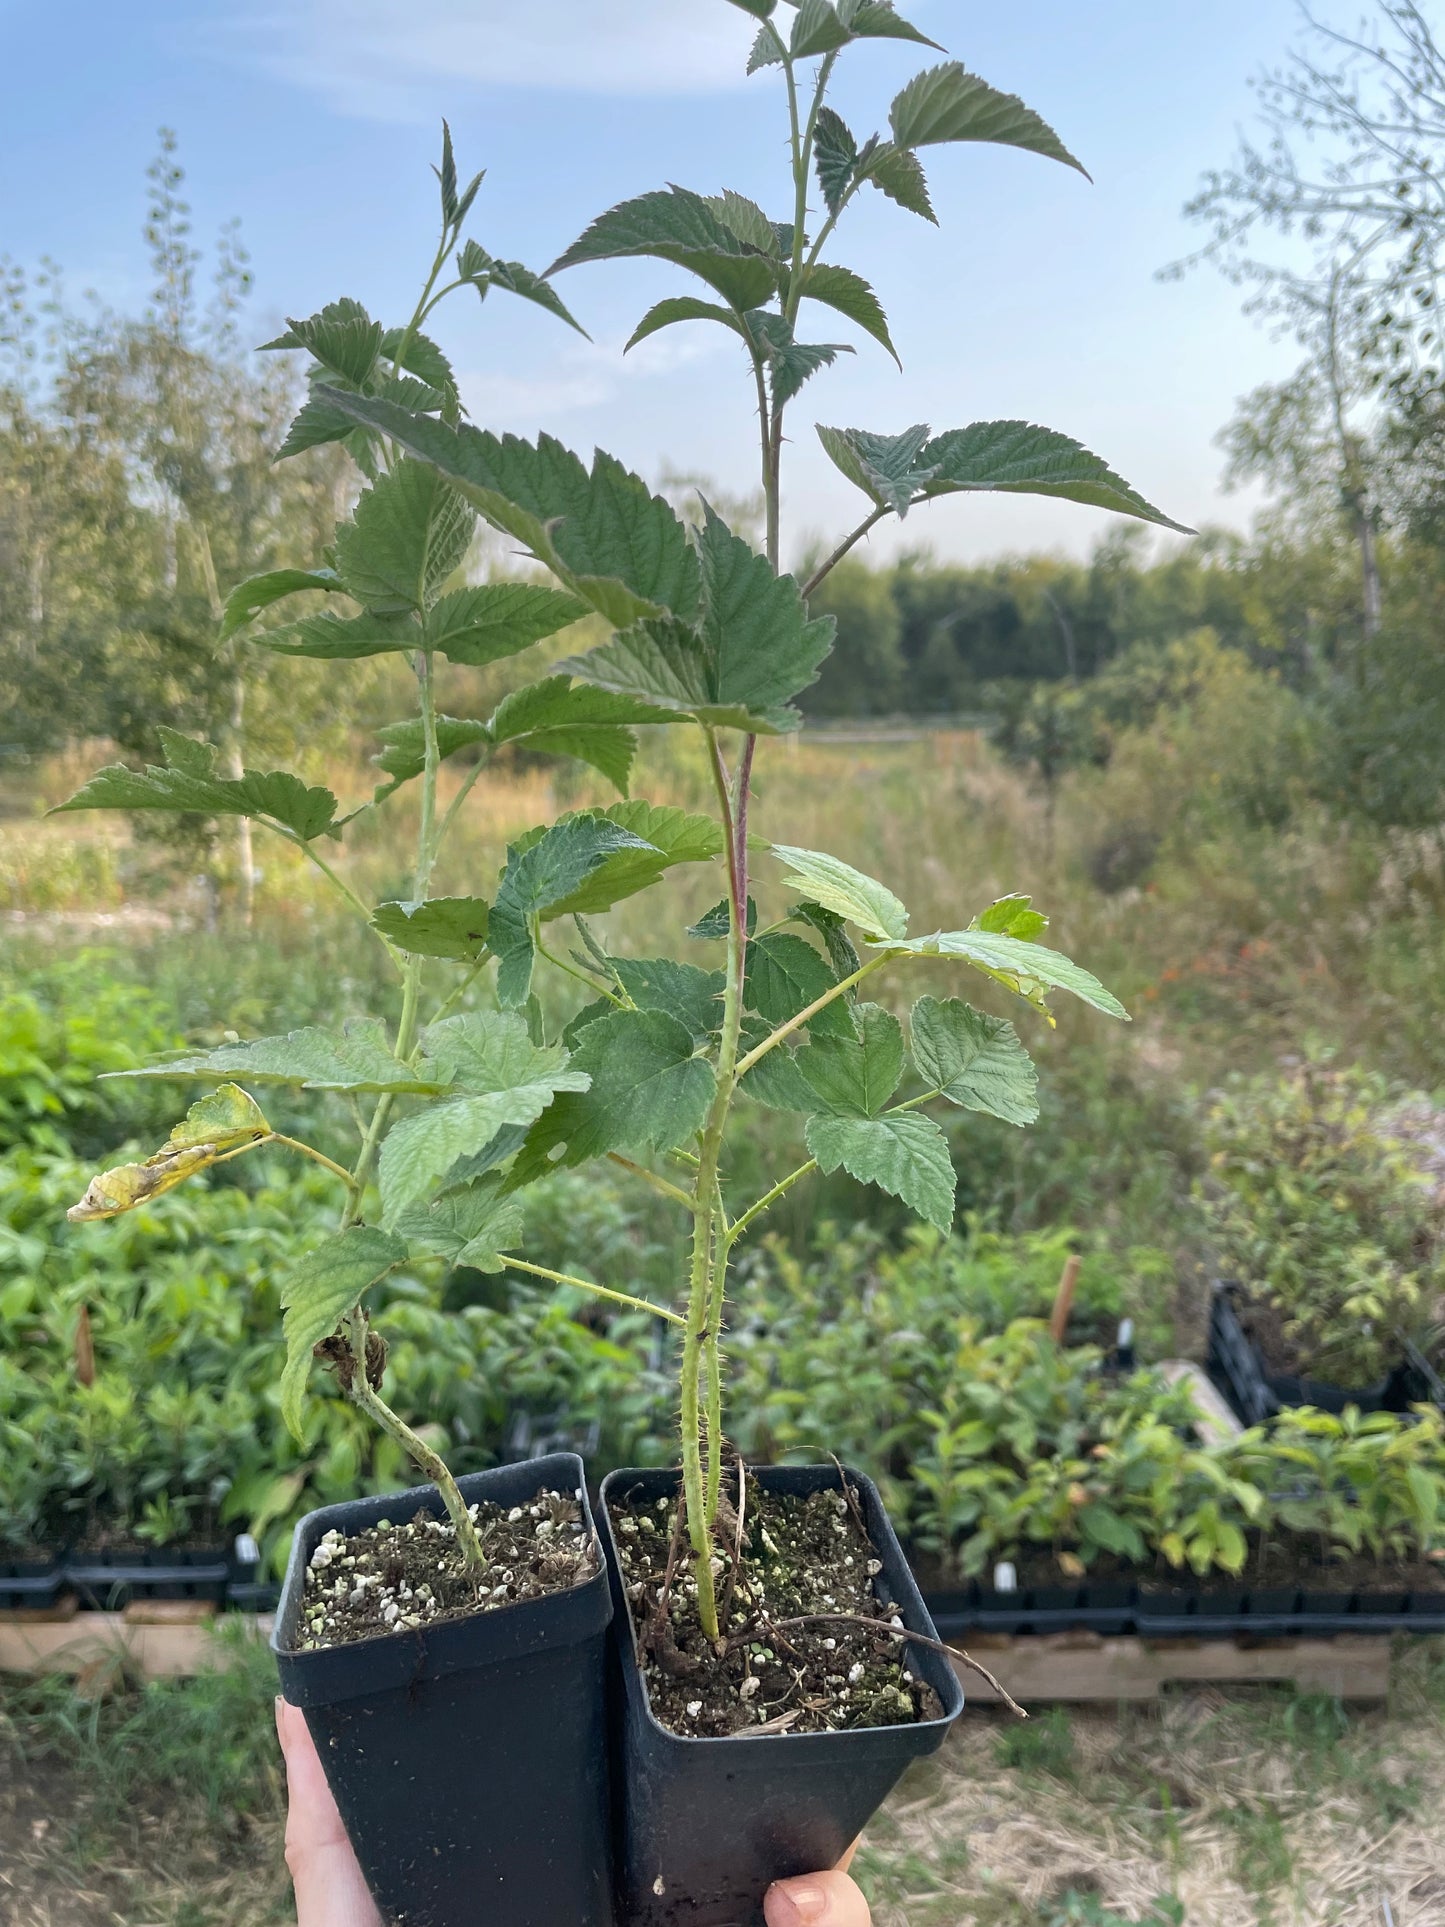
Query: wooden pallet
[(1084, 1666), (155, 1639)]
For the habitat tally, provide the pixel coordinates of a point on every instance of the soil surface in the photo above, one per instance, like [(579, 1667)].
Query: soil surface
[(803, 1559), (394, 1578)]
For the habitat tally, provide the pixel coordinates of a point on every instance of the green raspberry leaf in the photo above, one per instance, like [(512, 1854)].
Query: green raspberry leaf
[(974, 1060), (327, 1284), (903, 1154)]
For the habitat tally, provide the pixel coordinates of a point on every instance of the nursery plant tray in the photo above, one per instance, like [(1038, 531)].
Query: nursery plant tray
[(105, 1582), (1257, 1393), (29, 1585), (1105, 1608)]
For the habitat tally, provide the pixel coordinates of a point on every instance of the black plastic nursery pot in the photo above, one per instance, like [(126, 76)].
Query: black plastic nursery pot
[(469, 1760), (704, 1826)]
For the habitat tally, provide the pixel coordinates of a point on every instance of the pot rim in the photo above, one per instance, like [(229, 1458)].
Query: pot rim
[(909, 1603)]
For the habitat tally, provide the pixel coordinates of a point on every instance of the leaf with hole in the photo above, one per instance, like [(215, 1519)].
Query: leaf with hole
[(451, 927)]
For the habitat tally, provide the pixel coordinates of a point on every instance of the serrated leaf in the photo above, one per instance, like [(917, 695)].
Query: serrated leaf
[(715, 925), (817, 30), (767, 50), (451, 927), (619, 547), (342, 337), (409, 533), (974, 1060), (1022, 459), (854, 1075), (447, 178), (470, 1225), (892, 469), (755, 649), (676, 225), (357, 1059), (835, 156), (1026, 968), (849, 294), (745, 219), (667, 836), (898, 173), (248, 599), (684, 307), (540, 877), (224, 1120), (650, 1091), (327, 1284), (878, 20), (1013, 917), (759, 9), (529, 286), (857, 898), (948, 103), (274, 793), (500, 1078), (404, 754), (421, 357), (905, 1155), (775, 1080), (332, 638), (790, 363), (831, 928), (591, 724), (498, 619), (683, 991), (783, 975)]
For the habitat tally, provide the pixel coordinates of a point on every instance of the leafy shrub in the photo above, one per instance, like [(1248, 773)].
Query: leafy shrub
[(1321, 1208), (68, 1026)]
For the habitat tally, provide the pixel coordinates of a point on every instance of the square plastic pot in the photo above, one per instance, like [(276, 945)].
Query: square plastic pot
[(1255, 1391), (704, 1827), (468, 1760)]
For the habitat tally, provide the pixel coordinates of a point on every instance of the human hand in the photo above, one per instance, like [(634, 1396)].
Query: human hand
[(330, 1891)]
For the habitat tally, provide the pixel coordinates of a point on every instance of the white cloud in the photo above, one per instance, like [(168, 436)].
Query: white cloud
[(581, 376), (376, 58)]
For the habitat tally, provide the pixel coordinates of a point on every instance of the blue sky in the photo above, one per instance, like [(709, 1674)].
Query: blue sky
[(315, 120)]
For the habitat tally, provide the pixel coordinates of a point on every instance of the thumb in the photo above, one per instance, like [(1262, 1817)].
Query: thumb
[(816, 1900)]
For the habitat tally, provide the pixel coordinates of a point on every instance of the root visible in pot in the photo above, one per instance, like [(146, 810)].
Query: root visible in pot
[(804, 1559)]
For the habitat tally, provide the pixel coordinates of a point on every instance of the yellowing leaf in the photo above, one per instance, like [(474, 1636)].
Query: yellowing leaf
[(225, 1120)]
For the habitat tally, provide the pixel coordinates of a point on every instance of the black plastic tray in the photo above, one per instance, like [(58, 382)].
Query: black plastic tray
[(106, 1582), (1256, 1393), (29, 1585)]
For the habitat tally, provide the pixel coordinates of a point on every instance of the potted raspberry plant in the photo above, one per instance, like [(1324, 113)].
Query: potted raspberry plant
[(770, 1690)]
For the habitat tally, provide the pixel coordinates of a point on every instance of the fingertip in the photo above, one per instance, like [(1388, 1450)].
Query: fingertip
[(816, 1900)]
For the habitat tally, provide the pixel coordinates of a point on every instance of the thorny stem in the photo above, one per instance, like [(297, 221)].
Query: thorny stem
[(768, 1200), (825, 569), (597, 1291), (654, 1178)]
